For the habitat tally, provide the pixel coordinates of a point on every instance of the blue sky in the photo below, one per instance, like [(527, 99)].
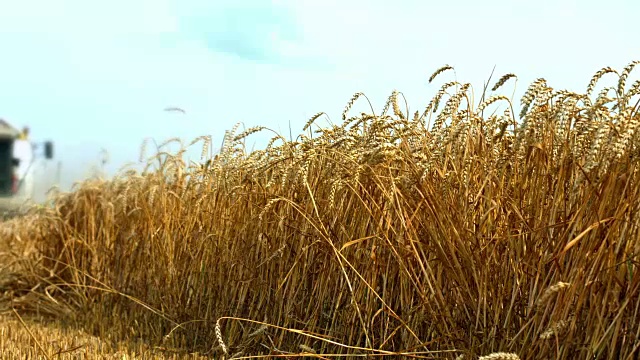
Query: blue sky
[(92, 75)]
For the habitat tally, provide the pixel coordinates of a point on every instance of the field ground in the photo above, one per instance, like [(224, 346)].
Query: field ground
[(31, 337)]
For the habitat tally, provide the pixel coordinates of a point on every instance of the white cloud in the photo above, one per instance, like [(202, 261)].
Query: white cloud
[(78, 18)]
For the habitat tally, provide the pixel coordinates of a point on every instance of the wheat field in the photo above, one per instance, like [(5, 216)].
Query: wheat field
[(464, 231)]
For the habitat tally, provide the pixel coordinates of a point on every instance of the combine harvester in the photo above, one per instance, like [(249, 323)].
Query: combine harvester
[(17, 160)]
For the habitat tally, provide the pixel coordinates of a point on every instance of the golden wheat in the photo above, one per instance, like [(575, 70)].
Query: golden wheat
[(377, 236)]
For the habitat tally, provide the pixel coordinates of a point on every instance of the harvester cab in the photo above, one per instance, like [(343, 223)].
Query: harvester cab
[(17, 159)]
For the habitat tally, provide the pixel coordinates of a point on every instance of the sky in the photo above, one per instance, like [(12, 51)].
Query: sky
[(92, 75)]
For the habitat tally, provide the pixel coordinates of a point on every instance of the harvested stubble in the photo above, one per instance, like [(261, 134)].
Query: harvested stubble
[(45, 338), (384, 235)]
